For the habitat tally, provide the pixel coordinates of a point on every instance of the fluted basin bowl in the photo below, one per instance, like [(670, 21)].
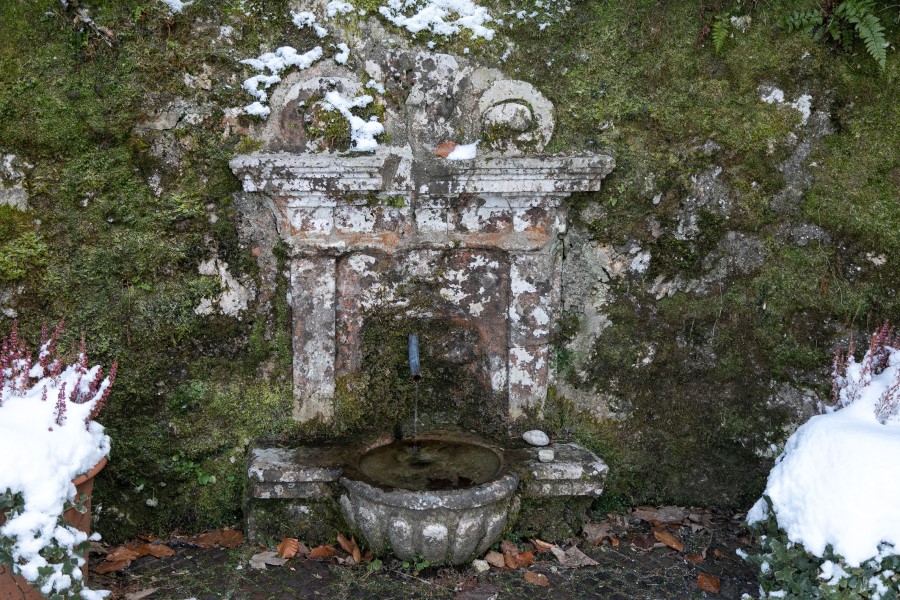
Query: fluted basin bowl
[(441, 499)]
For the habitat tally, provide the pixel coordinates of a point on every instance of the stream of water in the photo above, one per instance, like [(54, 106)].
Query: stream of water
[(416, 419)]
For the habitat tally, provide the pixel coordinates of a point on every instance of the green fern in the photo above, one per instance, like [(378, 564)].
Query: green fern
[(872, 34), (803, 20), (721, 28), (848, 16)]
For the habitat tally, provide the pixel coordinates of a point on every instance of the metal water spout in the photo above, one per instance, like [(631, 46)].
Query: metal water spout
[(414, 368)]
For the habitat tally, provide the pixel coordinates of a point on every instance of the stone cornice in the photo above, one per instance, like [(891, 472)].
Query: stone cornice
[(327, 175)]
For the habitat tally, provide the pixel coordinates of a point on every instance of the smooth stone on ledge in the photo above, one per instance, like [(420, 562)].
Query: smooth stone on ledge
[(546, 455), (536, 437)]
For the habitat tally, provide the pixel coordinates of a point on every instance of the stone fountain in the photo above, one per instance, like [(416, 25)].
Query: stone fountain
[(472, 245)]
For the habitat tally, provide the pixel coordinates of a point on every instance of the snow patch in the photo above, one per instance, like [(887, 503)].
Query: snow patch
[(838, 480), (307, 19), (440, 17), (176, 6), (464, 152), (336, 7), (362, 132), (343, 55), (274, 63)]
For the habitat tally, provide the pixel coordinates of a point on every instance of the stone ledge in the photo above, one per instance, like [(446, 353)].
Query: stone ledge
[(574, 471), (306, 472), (295, 174)]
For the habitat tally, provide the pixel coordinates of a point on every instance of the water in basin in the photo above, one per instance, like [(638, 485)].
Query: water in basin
[(430, 464)]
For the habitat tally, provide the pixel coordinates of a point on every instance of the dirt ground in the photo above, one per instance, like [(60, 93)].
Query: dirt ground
[(631, 564)]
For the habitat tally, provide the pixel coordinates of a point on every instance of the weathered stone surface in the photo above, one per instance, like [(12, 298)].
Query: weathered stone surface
[(313, 295), (12, 180), (444, 527), (575, 471), (386, 229), (302, 472), (501, 109)]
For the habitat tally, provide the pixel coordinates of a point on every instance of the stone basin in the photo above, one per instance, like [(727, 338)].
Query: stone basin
[(440, 499)]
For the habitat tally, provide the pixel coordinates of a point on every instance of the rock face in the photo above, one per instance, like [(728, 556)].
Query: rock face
[(12, 179), (472, 243)]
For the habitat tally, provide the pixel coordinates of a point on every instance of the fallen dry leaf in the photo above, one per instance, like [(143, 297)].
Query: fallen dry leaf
[(663, 514), (669, 540), (350, 547), (121, 553), (99, 548), (260, 560), (708, 583), (536, 579), (444, 149), (509, 546), (613, 541), (121, 556), (509, 561), (644, 541), (495, 559), (368, 556), (694, 558), (323, 552), (288, 548), (111, 566), (140, 594), (157, 550), (718, 553), (541, 546), (596, 532), (573, 557), (525, 559), (225, 538)]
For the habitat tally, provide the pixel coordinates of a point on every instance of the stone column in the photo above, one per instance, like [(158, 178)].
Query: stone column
[(313, 304), (534, 300)]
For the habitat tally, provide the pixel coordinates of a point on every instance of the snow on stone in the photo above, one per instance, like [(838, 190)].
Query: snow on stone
[(838, 480), (464, 152), (258, 109), (343, 55), (362, 132), (441, 17), (176, 6), (336, 7), (275, 63), (307, 19), (374, 85), (39, 458)]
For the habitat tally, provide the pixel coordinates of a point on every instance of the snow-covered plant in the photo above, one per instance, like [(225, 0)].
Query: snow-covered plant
[(48, 437), (830, 507), (878, 370), (790, 572)]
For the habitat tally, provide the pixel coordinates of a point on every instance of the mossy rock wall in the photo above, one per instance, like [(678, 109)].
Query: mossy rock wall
[(732, 247)]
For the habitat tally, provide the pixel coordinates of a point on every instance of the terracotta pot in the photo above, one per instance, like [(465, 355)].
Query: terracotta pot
[(14, 587)]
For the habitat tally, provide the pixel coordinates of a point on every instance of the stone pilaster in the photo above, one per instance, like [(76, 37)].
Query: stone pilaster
[(313, 304)]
